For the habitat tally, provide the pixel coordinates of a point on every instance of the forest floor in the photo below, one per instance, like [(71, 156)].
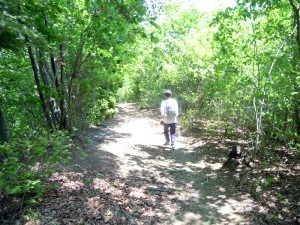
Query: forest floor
[(124, 175), (129, 177)]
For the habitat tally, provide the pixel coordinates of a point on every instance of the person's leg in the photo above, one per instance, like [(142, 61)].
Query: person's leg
[(166, 133), (173, 134)]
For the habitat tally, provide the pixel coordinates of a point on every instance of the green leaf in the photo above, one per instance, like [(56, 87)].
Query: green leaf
[(154, 39), (153, 23)]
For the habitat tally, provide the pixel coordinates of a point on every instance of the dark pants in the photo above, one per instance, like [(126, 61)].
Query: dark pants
[(172, 127)]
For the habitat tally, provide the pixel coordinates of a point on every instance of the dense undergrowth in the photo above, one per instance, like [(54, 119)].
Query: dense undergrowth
[(60, 71), (273, 182)]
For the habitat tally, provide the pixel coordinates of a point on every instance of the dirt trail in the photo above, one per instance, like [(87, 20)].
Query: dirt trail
[(142, 182)]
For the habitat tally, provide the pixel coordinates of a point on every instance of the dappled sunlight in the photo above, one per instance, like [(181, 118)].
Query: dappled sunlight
[(137, 193), (94, 204), (233, 70), (188, 218), (72, 185), (100, 184), (139, 179), (66, 182), (203, 164), (185, 169)]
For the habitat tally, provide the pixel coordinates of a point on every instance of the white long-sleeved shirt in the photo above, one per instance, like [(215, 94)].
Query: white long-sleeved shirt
[(163, 110)]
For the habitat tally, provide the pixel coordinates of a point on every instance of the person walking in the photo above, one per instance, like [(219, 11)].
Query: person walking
[(169, 112)]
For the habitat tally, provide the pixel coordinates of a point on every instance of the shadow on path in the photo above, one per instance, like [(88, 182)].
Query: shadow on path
[(127, 177)]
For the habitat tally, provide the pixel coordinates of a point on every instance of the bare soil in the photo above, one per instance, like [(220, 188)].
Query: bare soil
[(129, 177)]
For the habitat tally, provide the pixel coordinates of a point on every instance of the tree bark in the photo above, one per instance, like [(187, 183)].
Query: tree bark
[(296, 109), (43, 67), (38, 84), (3, 131), (297, 21), (54, 70), (78, 63), (63, 102), (296, 10), (53, 66)]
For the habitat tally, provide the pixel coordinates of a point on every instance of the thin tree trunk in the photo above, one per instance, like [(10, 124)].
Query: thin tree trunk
[(296, 10), (38, 84), (54, 70), (3, 131), (53, 66), (296, 109), (297, 22), (77, 65), (63, 102), (55, 86), (43, 67), (286, 125)]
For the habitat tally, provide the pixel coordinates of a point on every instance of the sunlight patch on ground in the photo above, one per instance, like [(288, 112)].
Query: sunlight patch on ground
[(140, 154), (204, 164), (189, 218), (133, 174), (231, 208)]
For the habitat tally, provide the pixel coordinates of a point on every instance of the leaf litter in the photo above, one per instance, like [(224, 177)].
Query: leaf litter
[(128, 177)]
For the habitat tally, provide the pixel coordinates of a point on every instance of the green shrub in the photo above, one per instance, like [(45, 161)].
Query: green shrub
[(103, 110), (294, 145), (26, 162)]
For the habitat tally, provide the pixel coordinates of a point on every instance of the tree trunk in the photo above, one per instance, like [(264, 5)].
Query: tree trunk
[(78, 63), (43, 67), (63, 102), (54, 70), (55, 86), (296, 10), (3, 131), (296, 109), (38, 84), (53, 66), (297, 22)]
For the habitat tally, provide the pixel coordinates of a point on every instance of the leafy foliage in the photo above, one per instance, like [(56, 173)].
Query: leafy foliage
[(238, 66), (60, 71), (25, 163), (65, 64)]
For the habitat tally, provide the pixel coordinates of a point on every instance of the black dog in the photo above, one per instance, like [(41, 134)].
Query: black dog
[(234, 152)]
